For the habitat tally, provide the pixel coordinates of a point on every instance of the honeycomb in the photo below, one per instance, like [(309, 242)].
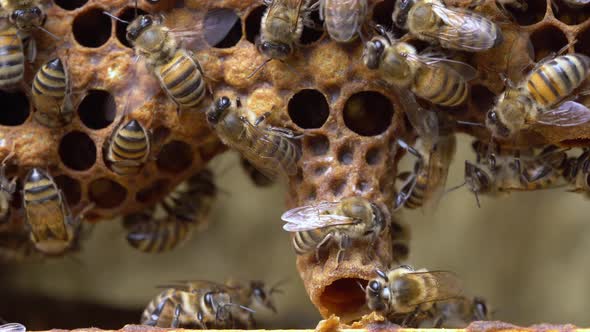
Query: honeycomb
[(350, 121)]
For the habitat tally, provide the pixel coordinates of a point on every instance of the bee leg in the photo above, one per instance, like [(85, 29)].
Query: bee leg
[(410, 318), (288, 133), (261, 119), (155, 316), (322, 243), (200, 320), (176, 318), (345, 243)]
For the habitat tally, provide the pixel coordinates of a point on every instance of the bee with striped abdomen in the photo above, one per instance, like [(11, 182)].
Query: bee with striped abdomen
[(405, 291), (53, 229), (51, 95), (25, 16), (257, 177), (438, 80), (434, 151), (7, 189), (538, 99), (316, 226), (576, 172), (453, 28), (12, 58), (128, 148), (272, 150), (186, 208), (343, 19), (203, 304)]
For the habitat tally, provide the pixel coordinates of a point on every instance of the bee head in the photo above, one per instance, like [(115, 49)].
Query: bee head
[(377, 294), (275, 50), (373, 51), (400, 12), (496, 126), (476, 179), (262, 295), (480, 309), (218, 110), (139, 33), (28, 18)]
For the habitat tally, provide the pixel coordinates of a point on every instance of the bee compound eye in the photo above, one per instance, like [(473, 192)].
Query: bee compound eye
[(36, 10), (375, 286)]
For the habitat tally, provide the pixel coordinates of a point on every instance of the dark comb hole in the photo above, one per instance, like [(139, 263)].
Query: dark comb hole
[(345, 155), (368, 113), (337, 186), (569, 15), (223, 28), (583, 44), (77, 151), (154, 192), (534, 13), (482, 98), (70, 4), (320, 170), (547, 40), (344, 298), (128, 14), (318, 145), (382, 16), (312, 34), (253, 23), (175, 157), (92, 28), (309, 109), (160, 134), (311, 194), (71, 189), (98, 109), (363, 186), (15, 107), (106, 193), (373, 156)]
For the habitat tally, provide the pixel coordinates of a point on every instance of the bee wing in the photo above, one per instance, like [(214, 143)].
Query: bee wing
[(567, 114), (211, 28), (466, 71), (439, 164), (461, 22), (447, 285), (287, 5), (425, 122), (190, 285), (309, 217), (12, 327)]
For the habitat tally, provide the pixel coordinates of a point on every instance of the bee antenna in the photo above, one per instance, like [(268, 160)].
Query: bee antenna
[(455, 188), (48, 32), (115, 17), (361, 286), (477, 199), (276, 287), (382, 274), (259, 68), (240, 306), (469, 123)]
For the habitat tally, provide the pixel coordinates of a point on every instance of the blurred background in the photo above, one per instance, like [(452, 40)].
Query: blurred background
[(526, 253)]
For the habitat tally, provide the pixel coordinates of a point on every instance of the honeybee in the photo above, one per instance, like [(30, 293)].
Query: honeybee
[(128, 148), (12, 327), (26, 15), (12, 59), (576, 172), (440, 81), (343, 19), (318, 225), (53, 229), (537, 99), (257, 177), (205, 304), (434, 151), (186, 207), (7, 189), (272, 150), (51, 95), (453, 28), (458, 313), (405, 291)]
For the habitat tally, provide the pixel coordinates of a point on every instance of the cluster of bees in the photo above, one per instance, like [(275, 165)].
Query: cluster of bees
[(412, 297)]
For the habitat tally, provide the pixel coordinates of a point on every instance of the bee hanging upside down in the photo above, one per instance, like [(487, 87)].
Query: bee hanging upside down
[(316, 226)]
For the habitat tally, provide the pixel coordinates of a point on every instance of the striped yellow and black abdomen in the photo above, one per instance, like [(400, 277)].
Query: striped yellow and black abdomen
[(12, 59), (129, 148), (441, 85), (417, 196), (557, 78), (183, 80), (482, 35), (49, 91), (157, 236), (285, 151), (307, 241), (44, 207), (165, 318)]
